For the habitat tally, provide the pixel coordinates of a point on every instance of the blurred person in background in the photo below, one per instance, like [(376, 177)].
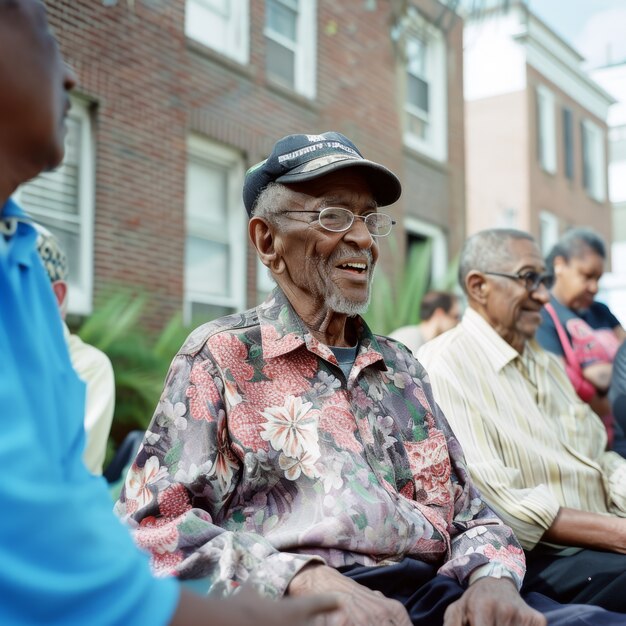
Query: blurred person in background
[(439, 311), (581, 331), (66, 560), (92, 365)]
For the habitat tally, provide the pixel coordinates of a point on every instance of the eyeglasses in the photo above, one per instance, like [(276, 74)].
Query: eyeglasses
[(338, 220), (531, 279)]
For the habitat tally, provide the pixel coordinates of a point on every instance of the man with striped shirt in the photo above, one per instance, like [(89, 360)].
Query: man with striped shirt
[(535, 450)]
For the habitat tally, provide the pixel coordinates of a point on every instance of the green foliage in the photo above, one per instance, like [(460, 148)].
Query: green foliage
[(140, 360), (396, 303)]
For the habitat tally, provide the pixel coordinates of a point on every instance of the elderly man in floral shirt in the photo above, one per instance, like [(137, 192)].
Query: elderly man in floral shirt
[(294, 450)]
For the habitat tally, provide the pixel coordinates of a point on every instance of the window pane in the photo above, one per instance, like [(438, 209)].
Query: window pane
[(206, 194), (417, 126), (280, 63), (416, 57), (281, 19), (568, 142), (417, 93), (58, 191), (206, 267)]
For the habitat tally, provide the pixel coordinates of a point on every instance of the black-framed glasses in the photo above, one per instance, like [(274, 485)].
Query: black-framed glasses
[(530, 279), (338, 220)]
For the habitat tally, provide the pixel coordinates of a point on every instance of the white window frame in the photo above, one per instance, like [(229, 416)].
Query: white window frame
[(436, 146), (548, 231), (304, 49), (223, 157), (546, 129), (439, 253), (228, 34), (594, 142), (80, 296)]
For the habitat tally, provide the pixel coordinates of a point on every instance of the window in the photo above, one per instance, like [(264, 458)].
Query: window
[(290, 35), (220, 24), (568, 142), (215, 250), (548, 231), (425, 108), (418, 234), (63, 201), (546, 130), (594, 168)]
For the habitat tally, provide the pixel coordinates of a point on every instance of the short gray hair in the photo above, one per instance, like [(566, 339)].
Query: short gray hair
[(486, 250), (575, 243), (271, 200)]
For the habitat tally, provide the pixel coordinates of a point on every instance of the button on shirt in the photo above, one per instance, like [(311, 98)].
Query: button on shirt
[(65, 558), (531, 444), (262, 456)]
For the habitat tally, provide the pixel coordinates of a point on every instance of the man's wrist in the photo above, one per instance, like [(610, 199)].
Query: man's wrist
[(491, 570)]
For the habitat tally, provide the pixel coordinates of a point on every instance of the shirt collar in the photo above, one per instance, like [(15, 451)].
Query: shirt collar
[(499, 352), (282, 331)]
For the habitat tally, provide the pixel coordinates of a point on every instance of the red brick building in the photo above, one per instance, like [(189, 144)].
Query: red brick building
[(176, 99)]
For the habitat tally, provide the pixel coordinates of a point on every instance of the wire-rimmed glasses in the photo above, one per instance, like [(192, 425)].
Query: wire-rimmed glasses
[(338, 220)]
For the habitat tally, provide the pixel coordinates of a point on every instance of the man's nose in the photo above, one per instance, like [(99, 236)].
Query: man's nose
[(541, 294), (359, 233)]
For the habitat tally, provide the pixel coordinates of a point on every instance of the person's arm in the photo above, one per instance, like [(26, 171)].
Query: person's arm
[(66, 560), (178, 490), (247, 608), (619, 332), (588, 530), (599, 375), (95, 369)]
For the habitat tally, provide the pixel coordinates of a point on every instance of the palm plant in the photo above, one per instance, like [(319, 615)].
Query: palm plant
[(140, 360), (396, 303)]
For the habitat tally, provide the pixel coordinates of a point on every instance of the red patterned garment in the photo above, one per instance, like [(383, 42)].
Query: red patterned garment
[(261, 456)]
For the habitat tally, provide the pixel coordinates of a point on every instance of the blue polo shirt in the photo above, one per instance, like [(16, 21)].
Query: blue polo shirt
[(64, 557)]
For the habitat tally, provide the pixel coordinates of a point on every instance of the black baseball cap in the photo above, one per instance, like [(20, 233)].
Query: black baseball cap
[(298, 158)]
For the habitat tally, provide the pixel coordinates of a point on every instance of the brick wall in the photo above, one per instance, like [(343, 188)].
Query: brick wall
[(150, 87)]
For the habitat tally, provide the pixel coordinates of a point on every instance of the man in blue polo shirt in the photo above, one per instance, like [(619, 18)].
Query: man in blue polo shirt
[(65, 557)]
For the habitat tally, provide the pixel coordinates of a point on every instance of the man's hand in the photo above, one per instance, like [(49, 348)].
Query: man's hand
[(492, 602), (360, 606)]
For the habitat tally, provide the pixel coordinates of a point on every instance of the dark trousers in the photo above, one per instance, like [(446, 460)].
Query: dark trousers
[(426, 595), (587, 577)]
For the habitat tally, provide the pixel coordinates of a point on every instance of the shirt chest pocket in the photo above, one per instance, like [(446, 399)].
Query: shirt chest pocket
[(430, 466)]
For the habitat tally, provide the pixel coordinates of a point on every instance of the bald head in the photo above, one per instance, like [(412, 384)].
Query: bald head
[(487, 251)]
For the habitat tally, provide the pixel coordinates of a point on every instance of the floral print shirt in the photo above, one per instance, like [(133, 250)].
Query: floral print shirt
[(262, 456)]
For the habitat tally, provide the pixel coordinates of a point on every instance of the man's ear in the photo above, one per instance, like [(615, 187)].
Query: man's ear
[(477, 286), (559, 263), (263, 237), (60, 291)]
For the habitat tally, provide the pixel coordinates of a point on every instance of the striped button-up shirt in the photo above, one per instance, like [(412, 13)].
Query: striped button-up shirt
[(531, 445)]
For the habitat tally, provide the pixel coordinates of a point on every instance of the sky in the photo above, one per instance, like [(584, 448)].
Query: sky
[(595, 28)]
